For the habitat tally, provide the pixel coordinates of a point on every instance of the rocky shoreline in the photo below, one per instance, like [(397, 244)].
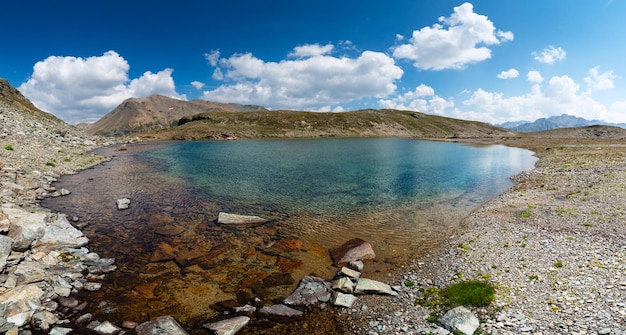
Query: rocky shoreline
[(553, 245)]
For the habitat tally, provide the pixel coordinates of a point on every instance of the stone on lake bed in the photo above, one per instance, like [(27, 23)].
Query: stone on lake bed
[(280, 313), (228, 326), (353, 250), (237, 219), (123, 203)]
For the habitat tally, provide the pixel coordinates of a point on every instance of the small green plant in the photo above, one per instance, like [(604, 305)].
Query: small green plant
[(526, 214), (8, 147), (533, 277), (523, 245), (52, 164), (409, 283), (432, 318), (475, 293), (464, 247), (67, 159), (485, 276), (558, 264)]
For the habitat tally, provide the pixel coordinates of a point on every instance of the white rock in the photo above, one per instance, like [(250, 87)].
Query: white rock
[(346, 272), (343, 284), (61, 331), (229, 326), (123, 203), (60, 234), (365, 285), (107, 328), (342, 299), (20, 319), (462, 319), (227, 218)]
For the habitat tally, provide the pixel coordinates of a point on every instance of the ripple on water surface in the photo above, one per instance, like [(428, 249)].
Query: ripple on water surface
[(404, 197)]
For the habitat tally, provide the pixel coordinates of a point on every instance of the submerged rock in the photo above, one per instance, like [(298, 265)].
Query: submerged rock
[(236, 219), (311, 290), (280, 313), (123, 203), (228, 326), (353, 250)]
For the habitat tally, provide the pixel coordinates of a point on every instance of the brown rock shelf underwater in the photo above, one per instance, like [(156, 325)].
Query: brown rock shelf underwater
[(174, 259)]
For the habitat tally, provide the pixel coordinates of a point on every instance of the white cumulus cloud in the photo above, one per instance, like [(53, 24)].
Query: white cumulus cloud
[(422, 99), (308, 82), (550, 55), (212, 57), (310, 50), (198, 85), (559, 95), (508, 74), (599, 81), (453, 43), (534, 77), (79, 89)]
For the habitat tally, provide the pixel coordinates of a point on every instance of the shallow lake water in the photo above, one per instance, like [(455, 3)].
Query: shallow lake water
[(403, 196)]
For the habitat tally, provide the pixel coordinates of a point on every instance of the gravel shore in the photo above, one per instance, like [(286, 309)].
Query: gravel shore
[(553, 245)]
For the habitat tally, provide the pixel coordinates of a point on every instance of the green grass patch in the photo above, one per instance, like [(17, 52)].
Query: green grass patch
[(558, 264), (52, 164), (471, 293), (8, 147), (474, 293)]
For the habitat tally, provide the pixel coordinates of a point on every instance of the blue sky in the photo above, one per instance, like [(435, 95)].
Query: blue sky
[(492, 61)]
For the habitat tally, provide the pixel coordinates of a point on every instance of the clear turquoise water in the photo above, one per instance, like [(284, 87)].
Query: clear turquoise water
[(340, 176)]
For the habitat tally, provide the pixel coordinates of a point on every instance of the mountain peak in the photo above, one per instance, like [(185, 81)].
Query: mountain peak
[(156, 112), (555, 122)]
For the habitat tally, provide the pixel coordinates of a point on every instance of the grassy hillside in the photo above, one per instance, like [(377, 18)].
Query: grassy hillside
[(295, 124)]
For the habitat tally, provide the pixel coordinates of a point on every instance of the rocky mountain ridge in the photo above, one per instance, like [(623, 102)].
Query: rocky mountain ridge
[(156, 112), (555, 122)]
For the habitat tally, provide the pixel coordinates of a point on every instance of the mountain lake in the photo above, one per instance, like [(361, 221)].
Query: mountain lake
[(404, 197)]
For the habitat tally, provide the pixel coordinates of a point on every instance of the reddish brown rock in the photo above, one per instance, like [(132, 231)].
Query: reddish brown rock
[(353, 250), (288, 264), (252, 279), (163, 252), (288, 245)]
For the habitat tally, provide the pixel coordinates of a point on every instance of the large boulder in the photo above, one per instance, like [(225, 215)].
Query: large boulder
[(60, 234), (353, 250), (26, 227)]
